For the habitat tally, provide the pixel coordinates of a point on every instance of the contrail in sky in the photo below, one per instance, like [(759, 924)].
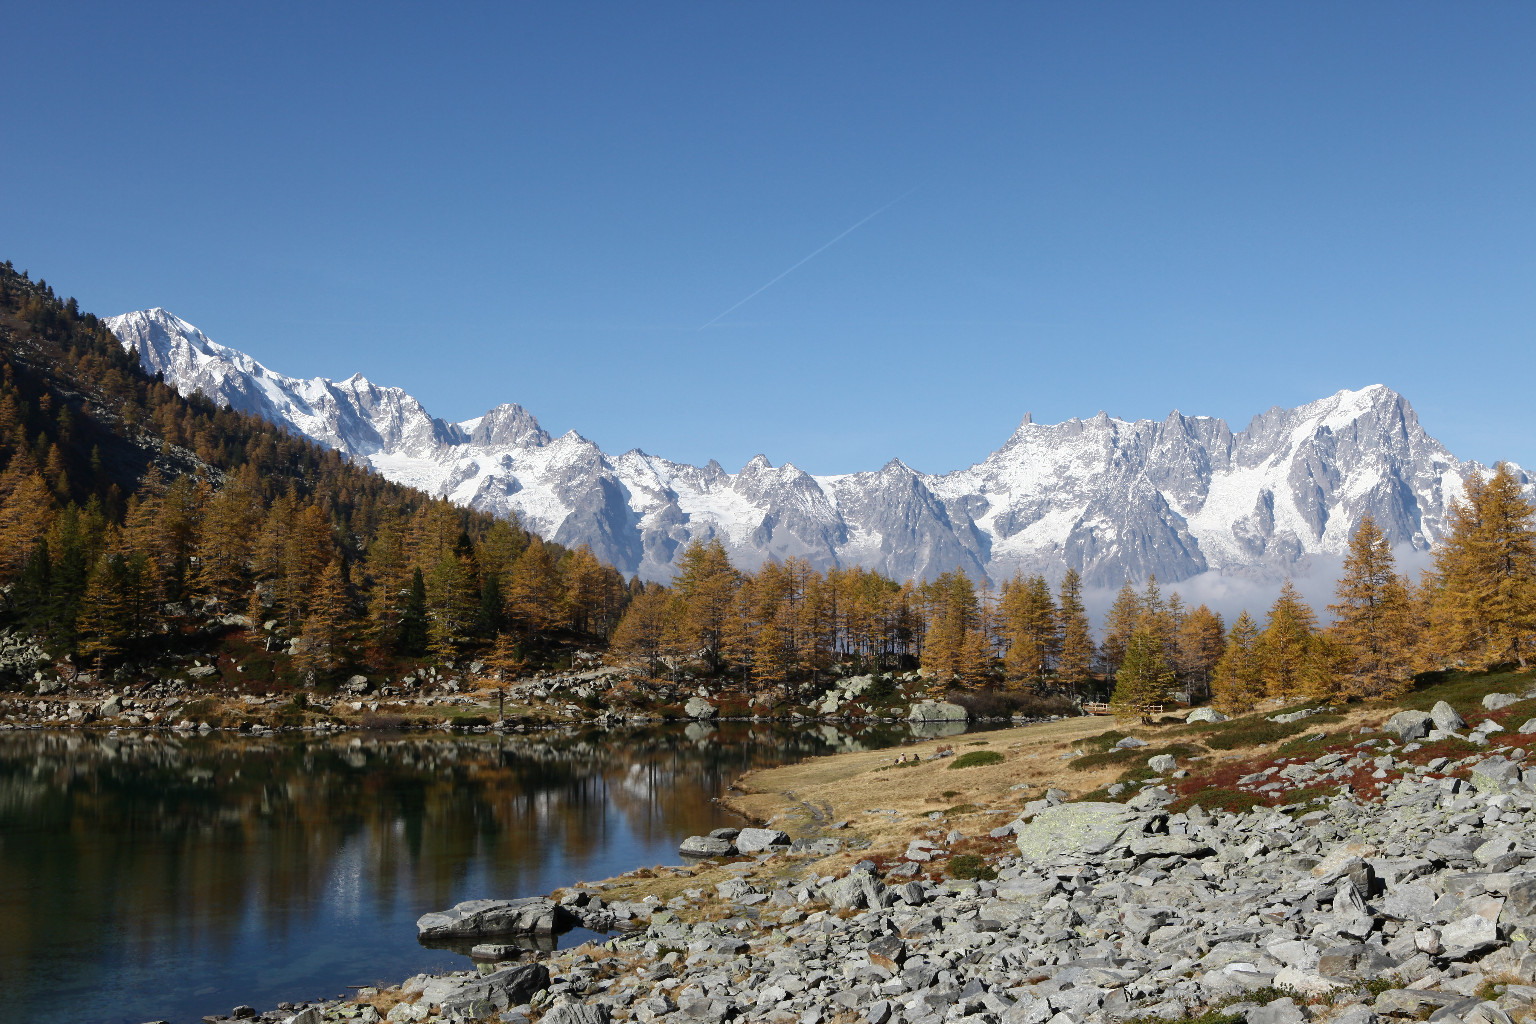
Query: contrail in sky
[(812, 256)]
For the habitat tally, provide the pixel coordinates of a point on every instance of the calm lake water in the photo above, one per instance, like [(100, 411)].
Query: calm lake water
[(168, 877)]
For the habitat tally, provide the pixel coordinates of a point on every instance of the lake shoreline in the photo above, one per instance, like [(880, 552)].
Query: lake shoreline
[(1016, 905)]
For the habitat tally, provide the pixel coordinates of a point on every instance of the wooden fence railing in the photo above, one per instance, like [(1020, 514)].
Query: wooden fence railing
[(1094, 707)]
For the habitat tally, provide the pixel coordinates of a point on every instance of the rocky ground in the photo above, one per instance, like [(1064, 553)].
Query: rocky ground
[(1411, 898), (214, 694)]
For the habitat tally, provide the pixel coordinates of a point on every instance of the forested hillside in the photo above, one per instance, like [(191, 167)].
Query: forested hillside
[(134, 522)]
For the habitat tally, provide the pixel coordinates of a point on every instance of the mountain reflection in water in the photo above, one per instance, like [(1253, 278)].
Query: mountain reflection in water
[(170, 877)]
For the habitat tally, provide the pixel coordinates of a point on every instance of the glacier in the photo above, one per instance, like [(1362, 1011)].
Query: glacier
[(1114, 499)]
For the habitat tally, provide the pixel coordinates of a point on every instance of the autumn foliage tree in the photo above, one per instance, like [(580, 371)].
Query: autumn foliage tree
[(1372, 628)]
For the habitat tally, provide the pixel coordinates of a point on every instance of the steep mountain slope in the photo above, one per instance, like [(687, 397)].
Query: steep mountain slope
[(1112, 498)]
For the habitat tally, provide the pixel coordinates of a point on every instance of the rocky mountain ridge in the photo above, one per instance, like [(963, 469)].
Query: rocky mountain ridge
[(1115, 499)]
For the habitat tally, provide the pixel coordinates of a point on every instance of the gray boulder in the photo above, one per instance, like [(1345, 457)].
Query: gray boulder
[(1076, 831), (501, 990), (1206, 715), (1446, 718), (1529, 727), (706, 846), (1496, 775), (1163, 764), (111, 706), (474, 918), (1129, 742), (1471, 934), (1495, 701), (1409, 725), (757, 840), (572, 1012), (937, 711), (858, 891), (698, 707)]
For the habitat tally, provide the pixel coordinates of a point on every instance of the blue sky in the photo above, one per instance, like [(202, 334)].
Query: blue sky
[(1133, 207)]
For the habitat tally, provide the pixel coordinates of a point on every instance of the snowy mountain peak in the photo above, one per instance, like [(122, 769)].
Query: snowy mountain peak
[(1114, 498)]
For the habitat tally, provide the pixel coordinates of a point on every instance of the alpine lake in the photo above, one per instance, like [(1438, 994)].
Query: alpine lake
[(158, 876)]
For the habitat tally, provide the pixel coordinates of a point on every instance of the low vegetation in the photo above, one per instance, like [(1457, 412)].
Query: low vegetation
[(976, 759)]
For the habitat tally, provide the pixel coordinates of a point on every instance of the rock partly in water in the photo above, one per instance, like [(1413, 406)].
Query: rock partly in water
[(937, 711), (698, 707), (474, 918), (706, 846)]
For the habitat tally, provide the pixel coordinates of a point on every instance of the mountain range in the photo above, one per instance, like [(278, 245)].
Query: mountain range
[(1113, 498)]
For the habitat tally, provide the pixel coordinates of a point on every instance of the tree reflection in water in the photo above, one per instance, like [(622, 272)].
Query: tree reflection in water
[(162, 876)]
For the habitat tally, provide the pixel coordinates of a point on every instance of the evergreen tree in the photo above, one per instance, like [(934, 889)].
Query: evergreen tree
[(1122, 620), (1076, 657), (492, 607), (413, 617), (1143, 678), (103, 612), (450, 606)]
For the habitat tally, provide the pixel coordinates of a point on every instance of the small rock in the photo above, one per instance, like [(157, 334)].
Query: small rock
[(705, 846)]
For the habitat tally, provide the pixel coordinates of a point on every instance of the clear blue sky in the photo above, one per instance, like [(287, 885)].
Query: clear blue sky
[(1135, 207)]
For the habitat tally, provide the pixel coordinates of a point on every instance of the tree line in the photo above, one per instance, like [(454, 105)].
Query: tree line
[(131, 516), (787, 622)]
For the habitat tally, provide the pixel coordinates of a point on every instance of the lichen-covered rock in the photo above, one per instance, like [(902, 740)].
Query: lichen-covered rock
[(1496, 775), (1206, 715), (1076, 831), (1495, 701)]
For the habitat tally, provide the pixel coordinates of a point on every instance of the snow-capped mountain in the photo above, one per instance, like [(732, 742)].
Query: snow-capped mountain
[(1113, 498)]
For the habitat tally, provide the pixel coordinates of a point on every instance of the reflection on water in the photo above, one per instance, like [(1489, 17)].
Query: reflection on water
[(173, 877)]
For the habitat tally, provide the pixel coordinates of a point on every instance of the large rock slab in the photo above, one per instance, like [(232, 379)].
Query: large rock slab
[(474, 918), (1076, 831), (757, 840), (492, 993), (937, 711), (1409, 725), (706, 846), (1496, 774), (1206, 715)]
